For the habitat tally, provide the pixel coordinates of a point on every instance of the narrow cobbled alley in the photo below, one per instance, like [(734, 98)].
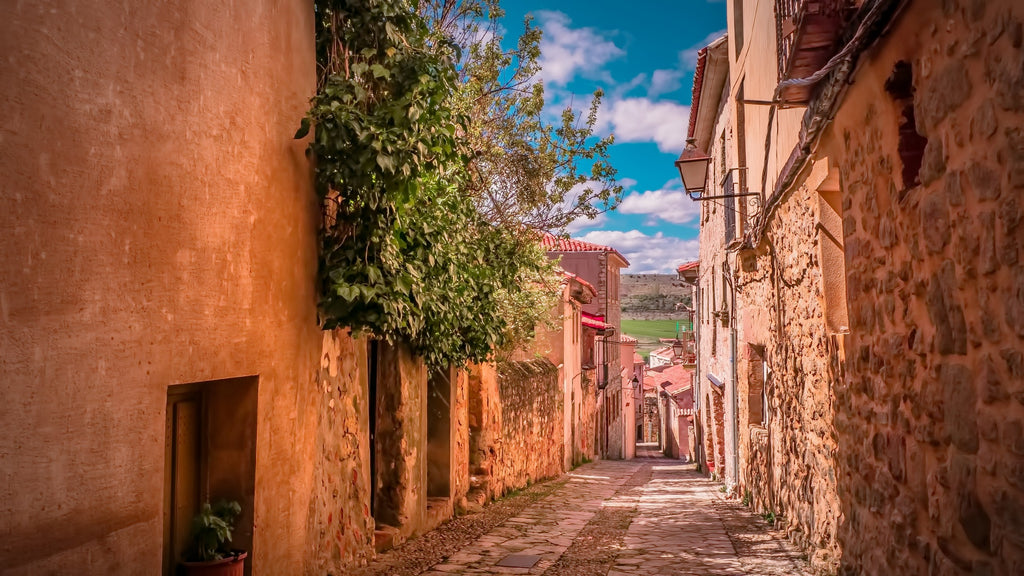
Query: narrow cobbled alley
[(646, 516)]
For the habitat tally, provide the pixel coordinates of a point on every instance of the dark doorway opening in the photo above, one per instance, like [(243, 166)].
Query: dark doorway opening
[(209, 455), (373, 351), (439, 434)]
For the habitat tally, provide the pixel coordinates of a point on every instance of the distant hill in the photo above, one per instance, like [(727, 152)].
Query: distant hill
[(652, 296)]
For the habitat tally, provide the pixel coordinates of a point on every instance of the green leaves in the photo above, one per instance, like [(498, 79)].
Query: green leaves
[(211, 528), (406, 253)]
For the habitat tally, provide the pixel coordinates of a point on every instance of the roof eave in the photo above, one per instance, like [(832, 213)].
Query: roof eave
[(709, 93)]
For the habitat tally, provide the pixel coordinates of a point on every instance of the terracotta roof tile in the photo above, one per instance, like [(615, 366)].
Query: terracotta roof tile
[(674, 379), (553, 243), (698, 83), (688, 266)]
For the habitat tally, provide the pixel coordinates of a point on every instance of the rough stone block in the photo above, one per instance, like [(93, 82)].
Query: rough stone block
[(983, 122), (944, 93), (1014, 304), (945, 311), (935, 223), (1014, 360), (1007, 73), (988, 425), (1012, 157), (960, 406), (1013, 471), (984, 181), (933, 165), (992, 389), (953, 188), (1013, 436), (989, 261)]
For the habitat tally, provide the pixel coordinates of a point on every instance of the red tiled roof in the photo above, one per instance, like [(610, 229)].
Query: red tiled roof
[(698, 83), (553, 243), (688, 266), (663, 351), (674, 379), (557, 244), (637, 359), (627, 339)]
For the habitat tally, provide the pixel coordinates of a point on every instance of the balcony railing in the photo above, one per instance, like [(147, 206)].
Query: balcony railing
[(807, 32)]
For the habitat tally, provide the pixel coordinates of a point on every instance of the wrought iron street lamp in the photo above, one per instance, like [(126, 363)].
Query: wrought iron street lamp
[(677, 347), (693, 169)]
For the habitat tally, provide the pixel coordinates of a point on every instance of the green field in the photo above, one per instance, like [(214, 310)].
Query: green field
[(647, 332)]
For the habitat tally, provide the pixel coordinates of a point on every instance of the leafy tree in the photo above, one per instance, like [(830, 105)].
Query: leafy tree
[(406, 255), (523, 169)]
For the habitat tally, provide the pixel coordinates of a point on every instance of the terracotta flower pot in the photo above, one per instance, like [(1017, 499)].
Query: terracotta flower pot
[(231, 566)]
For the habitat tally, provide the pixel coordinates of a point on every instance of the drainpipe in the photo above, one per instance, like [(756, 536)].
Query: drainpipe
[(733, 379)]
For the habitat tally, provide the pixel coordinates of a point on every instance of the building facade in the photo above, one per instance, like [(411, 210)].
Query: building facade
[(158, 313), (600, 266), (858, 322)]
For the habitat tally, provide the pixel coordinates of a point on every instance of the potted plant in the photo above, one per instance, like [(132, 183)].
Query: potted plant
[(211, 529)]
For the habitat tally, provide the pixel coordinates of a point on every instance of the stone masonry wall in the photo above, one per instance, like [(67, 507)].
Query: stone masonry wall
[(931, 416), (529, 445), (586, 436), (340, 528), (401, 440), (788, 461), (652, 296), (460, 439)]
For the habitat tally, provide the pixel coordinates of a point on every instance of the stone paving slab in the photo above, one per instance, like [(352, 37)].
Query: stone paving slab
[(679, 531), (649, 516)]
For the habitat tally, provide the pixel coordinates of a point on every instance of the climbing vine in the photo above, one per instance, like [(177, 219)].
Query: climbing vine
[(406, 256)]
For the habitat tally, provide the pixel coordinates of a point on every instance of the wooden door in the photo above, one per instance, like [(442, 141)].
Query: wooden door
[(182, 472)]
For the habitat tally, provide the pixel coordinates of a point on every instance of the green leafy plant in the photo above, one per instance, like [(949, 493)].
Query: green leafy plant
[(769, 517), (211, 528), (407, 253), (748, 497)]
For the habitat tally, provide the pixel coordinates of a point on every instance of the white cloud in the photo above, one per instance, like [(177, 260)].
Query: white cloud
[(646, 120), (669, 203), (664, 81), (567, 51), (619, 91), (657, 254), (688, 57)]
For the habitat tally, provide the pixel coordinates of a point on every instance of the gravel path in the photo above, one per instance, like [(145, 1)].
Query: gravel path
[(419, 554)]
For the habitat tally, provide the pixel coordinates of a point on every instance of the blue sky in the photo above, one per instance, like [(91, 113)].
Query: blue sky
[(642, 54)]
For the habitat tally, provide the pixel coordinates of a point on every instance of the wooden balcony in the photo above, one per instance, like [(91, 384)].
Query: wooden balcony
[(808, 33)]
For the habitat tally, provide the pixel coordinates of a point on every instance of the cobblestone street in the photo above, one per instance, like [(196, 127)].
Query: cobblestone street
[(648, 516)]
